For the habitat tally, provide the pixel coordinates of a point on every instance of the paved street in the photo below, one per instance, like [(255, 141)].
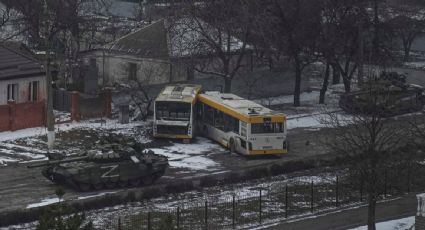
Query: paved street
[(350, 218)]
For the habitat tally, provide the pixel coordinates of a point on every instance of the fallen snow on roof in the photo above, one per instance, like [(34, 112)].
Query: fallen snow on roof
[(399, 224)]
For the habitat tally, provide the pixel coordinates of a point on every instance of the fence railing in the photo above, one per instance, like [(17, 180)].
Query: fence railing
[(263, 205)]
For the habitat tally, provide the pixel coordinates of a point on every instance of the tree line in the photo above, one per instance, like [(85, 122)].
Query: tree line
[(342, 34)]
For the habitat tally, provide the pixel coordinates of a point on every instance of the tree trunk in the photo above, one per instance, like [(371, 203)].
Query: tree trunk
[(407, 47), (371, 211), (360, 72), (347, 83), (325, 84), (297, 90), (336, 75), (227, 84)]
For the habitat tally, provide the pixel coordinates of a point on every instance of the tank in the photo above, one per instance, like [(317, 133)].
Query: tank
[(97, 171), (393, 96)]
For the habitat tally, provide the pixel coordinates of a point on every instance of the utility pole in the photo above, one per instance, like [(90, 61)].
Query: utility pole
[(49, 115)]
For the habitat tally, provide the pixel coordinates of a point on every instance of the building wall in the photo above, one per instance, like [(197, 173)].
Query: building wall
[(14, 116), (149, 71), (23, 89)]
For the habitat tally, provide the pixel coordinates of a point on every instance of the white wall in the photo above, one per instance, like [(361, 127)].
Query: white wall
[(23, 88), (149, 71)]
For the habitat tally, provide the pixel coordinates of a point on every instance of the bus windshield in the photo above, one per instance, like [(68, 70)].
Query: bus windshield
[(267, 127), (171, 110)]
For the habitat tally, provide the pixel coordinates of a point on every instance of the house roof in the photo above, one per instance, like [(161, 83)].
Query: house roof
[(17, 63), (170, 38), (149, 41)]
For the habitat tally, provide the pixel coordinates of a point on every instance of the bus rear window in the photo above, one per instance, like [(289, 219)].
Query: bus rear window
[(172, 110), (268, 127)]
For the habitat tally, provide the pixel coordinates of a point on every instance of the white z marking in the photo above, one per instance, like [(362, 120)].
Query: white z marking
[(111, 169)]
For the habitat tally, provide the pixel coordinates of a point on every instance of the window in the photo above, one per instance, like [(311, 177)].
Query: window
[(267, 127), (172, 110), (132, 71), (33, 91), (218, 119), (12, 92), (208, 114), (231, 124)]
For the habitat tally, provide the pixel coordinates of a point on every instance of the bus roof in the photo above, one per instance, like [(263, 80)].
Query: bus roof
[(179, 92), (237, 106)]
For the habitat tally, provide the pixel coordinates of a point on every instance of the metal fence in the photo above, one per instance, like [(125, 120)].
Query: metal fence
[(263, 205), (62, 100)]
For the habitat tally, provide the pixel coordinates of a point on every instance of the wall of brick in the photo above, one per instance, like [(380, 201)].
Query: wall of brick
[(22, 115), (4, 118), (29, 114)]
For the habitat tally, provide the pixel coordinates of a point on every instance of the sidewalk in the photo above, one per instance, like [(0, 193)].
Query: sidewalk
[(350, 218)]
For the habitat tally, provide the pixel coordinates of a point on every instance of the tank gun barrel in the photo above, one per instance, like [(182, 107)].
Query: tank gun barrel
[(55, 162)]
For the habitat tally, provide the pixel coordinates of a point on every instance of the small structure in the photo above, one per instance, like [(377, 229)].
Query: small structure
[(22, 88), (124, 114), (165, 51), (420, 214), (144, 55)]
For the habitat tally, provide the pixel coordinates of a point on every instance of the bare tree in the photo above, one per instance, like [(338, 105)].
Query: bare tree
[(139, 91), (407, 23), (215, 35), (369, 141), (293, 27)]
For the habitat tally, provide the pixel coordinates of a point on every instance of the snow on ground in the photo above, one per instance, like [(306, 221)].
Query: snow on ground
[(415, 65), (21, 145), (310, 98), (96, 195), (400, 224), (318, 120), (44, 202), (288, 99), (191, 156), (92, 123)]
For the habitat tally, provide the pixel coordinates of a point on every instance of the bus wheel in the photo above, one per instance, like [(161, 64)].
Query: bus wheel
[(232, 146)]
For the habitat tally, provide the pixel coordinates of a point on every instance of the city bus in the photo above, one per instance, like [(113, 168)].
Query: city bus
[(173, 112), (243, 126)]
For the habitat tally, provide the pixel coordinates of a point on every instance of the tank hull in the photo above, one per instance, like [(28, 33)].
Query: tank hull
[(89, 175)]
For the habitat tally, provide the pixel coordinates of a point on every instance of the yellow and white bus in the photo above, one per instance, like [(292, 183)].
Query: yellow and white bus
[(241, 125), (173, 112)]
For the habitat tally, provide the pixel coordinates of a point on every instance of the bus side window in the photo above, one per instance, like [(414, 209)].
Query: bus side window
[(279, 127), (218, 119), (198, 109), (208, 115), (235, 125)]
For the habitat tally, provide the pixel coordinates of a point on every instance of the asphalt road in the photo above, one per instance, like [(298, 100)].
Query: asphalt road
[(351, 218), (21, 186)]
